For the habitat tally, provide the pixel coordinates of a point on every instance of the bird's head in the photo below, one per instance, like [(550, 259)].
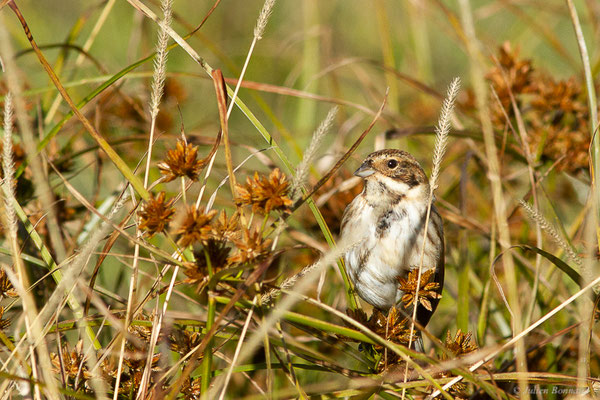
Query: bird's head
[(393, 173)]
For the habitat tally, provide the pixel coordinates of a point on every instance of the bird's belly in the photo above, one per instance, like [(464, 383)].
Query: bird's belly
[(375, 265)]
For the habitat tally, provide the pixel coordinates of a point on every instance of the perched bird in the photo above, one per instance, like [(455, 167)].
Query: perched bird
[(386, 221)]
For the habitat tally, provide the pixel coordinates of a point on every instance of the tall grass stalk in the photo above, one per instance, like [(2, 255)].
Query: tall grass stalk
[(41, 184), (238, 348), (157, 90), (259, 30), (523, 136), (588, 269), (494, 175), (9, 222), (34, 329), (592, 103), (442, 130)]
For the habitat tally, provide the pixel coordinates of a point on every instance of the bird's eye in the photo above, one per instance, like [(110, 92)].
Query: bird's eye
[(392, 164)]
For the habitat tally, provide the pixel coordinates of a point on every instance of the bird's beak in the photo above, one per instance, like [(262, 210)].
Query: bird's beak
[(364, 170)]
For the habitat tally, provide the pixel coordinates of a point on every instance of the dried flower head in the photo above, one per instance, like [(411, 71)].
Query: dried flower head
[(192, 388), (512, 75), (265, 194), (73, 363), (251, 247), (224, 228), (144, 332), (136, 363), (428, 289), (558, 97), (183, 341), (6, 287), (214, 252), (394, 327), (4, 323), (155, 214), (461, 344), (182, 161), (196, 226)]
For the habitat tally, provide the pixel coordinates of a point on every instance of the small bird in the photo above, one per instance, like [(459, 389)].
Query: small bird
[(386, 221)]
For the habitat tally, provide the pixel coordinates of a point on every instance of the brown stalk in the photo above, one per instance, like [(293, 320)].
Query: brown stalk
[(208, 14), (269, 88), (221, 90)]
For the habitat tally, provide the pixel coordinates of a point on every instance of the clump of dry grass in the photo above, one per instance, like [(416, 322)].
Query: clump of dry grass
[(233, 297)]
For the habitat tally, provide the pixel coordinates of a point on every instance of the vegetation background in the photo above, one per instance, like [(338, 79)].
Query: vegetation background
[(162, 279)]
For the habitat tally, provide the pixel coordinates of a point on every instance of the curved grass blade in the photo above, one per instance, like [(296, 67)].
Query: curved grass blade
[(563, 266)]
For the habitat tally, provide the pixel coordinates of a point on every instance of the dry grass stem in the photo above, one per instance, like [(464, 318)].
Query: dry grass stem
[(442, 130), (494, 174), (38, 349), (259, 30), (196, 292)]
